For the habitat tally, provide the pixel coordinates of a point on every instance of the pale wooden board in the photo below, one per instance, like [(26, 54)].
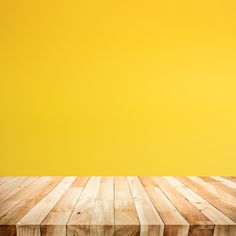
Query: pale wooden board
[(55, 222), (231, 178), (220, 194), (35, 191), (25, 182), (94, 212), (226, 208), (6, 179), (7, 187), (126, 218), (220, 186), (80, 181), (119, 206), (225, 181), (23, 201), (9, 220), (102, 221), (199, 223), (150, 221), (32, 220), (175, 224), (79, 221), (224, 226), (224, 192)]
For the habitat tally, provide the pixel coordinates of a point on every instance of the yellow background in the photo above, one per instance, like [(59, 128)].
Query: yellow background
[(124, 87)]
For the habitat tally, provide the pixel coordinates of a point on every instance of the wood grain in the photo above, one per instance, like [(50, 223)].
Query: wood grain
[(225, 207), (33, 219), (224, 226), (55, 222), (199, 224), (119, 206), (150, 222), (126, 218), (175, 224), (79, 221)]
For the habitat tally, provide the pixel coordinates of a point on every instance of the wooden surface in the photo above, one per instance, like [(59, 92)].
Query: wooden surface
[(121, 206)]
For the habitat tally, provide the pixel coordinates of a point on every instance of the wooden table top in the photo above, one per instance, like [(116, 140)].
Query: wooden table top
[(121, 206)]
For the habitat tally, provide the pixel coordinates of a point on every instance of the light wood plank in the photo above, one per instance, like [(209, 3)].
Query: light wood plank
[(5, 179), (22, 202), (151, 223), (222, 195), (56, 220), (225, 181), (226, 208), (231, 178), (37, 190), (175, 224), (102, 222), (32, 220), (79, 221), (199, 223), (229, 194), (80, 181), (120, 206), (9, 220), (126, 218), (25, 182), (10, 185), (224, 226), (8, 179)]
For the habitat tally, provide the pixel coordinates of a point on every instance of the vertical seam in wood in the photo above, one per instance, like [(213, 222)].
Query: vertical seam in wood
[(75, 205), (133, 203)]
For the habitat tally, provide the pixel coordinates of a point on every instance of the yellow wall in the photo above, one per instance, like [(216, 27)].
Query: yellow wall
[(105, 87)]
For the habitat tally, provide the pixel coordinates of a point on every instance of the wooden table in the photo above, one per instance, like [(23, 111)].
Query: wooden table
[(121, 206)]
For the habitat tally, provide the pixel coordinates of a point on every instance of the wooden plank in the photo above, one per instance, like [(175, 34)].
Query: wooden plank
[(10, 185), (25, 182), (150, 221), (37, 190), (169, 206), (126, 218), (9, 220), (8, 179), (175, 224), (199, 223), (223, 190), (80, 181), (79, 221), (5, 179), (56, 220), (94, 212), (222, 195), (30, 223), (21, 203), (224, 226), (231, 178), (225, 181), (226, 208), (226, 230), (102, 221)]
